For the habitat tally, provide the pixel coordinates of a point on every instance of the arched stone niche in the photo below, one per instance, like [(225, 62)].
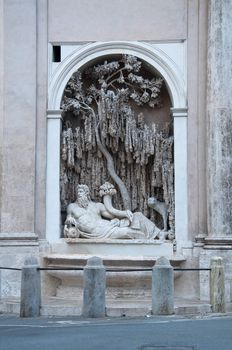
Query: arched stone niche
[(174, 81)]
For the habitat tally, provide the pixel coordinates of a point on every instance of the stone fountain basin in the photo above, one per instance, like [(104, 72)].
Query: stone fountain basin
[(117, 255)]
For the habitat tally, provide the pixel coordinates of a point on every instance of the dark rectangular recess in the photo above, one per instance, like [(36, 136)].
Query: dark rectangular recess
[(56, 53)]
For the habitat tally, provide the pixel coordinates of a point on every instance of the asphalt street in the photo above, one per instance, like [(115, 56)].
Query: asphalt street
[(160, 333)]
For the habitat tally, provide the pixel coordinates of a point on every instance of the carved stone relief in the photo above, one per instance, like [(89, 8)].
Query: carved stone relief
[(112, 132)]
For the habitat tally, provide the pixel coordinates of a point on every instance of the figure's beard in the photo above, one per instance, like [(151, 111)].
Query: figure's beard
[(83, 201)]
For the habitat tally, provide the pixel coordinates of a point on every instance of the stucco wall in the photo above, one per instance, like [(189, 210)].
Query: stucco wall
[(99, 20), (18, 119)]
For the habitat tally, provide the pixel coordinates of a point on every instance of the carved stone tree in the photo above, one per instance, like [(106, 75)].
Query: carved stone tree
[(105, 136)]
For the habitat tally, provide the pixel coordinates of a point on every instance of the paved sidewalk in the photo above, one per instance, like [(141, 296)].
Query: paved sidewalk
[(154, 333)]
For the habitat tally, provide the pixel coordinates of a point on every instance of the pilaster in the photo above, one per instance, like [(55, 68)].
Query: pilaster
[(53, 175), (219, 121), (180, 156)]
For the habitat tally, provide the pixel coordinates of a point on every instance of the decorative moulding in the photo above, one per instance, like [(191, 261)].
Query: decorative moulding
[(17, 239), (18, 236)]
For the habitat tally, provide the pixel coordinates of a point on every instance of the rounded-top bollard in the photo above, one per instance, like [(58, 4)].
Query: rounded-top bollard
[(30, 289), (94, 288), (162, 288), (217, 285)]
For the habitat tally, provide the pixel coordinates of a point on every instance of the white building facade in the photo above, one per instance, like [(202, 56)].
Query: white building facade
[(42, 43)]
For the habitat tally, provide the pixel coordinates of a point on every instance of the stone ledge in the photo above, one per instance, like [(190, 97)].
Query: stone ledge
[(223, 243), (115, 241), (72, 259), (17, 236), (117, 247), (18, 239)]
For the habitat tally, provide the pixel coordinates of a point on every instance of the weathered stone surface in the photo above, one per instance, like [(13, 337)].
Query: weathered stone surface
[(217, 285), (30, 289), (94, 288), (13, 251), (19, 117), (219, 113), (204, 262), (162, 288)]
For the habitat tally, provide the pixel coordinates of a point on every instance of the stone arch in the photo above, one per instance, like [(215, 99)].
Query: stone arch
[(174, 80), (152, 55)]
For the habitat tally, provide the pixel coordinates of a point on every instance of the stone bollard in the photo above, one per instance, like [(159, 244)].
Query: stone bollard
[(162, 288), (217, 285), (94, 304), (30, 289)]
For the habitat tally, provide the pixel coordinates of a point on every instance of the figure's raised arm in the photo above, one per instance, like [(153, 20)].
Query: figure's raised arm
[(104, 212), (107, 190)]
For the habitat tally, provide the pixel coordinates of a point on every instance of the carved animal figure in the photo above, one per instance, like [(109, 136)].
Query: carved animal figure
[(161, 208)]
